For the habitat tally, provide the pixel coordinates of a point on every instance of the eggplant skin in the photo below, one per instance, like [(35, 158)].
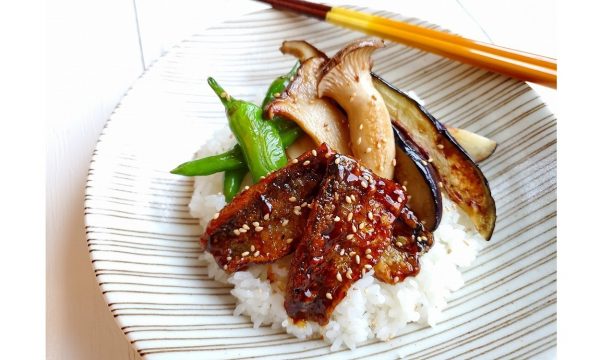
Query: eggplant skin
[(460, 176), (422, 180)]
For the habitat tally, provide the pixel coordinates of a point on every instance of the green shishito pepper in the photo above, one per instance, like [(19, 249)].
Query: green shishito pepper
[(230, 160), (259, 140), (276, 88), (233, 162), (232, 181)]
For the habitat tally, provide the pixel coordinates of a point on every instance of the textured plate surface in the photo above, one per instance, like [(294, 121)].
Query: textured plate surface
[(143, 242)]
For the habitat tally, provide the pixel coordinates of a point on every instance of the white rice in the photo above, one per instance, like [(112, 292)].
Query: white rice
[(371, 309)]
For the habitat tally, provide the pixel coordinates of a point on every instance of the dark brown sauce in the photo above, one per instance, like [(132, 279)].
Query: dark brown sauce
[(337, 218)]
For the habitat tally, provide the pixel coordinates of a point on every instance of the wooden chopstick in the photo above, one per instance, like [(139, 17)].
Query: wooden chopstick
[(514, 63)]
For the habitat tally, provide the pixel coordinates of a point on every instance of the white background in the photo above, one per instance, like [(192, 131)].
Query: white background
[(96, 50)]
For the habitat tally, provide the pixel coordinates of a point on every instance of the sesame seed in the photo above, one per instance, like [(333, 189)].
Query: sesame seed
[(353, 197), (370, 215), (369, 256), (229, 258), (246, 187), (216, 216), (348, 199), (369, 150), (440, 184), (349, 274), (350, 215), (440, 146), (364, 184), (337, 161), (284, 222), (398, 244), (357, 258), (236, 232), (336, 219), (258, 229), (393, 162), (363, 272), (430, 160), (292, 199), (361, 226), (396, 279), (252, 248), (262, 177), (404, 187), (295, 161), (354, 228), (223, 94), (379, 145), (314, 152), (423, 162), (338, 276), (307, 162), (245, 253), (289, 241), (349, 236), (360, 127), (328, 295), (255, 224), (336, 196), (267, 216), (342, 252), (257, 253), (276, 94), (368, 251), (368, 266), (359, 141), (225, 267), (242, 230), (245, 226), (304, 204)]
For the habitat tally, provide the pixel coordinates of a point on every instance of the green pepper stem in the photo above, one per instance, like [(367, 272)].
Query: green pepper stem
[(293, 70), (225, 98)]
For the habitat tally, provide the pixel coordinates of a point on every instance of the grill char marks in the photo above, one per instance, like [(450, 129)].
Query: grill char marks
[(338, 218), (348, 230), (401, 258), (256, 227)]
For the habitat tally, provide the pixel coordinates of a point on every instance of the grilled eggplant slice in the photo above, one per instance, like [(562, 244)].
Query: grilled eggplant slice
[(413, 171), (460, 177)]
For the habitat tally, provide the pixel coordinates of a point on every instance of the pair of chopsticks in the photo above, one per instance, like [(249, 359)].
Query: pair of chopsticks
[(518, 64)]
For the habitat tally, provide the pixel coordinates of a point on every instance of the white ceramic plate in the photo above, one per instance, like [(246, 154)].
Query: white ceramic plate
[(143, 242)]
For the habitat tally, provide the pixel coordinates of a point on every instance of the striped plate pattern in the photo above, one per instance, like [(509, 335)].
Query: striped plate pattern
[(143, 242)]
